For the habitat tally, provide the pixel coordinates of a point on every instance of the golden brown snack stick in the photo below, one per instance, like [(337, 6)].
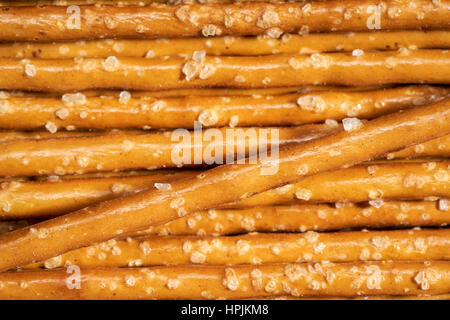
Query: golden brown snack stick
[(7, 136), (231, 282), (190, 92), (250, 18), (81, 112), (113, 174), (119, 3), (434, 148), (388, 181), (371, 68), (257, 248), (303, 218), (231, 46), (122, 151), (135, 212), (59, 196)]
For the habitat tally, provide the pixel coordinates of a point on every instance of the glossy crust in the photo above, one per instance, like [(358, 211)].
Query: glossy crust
[(231, 282), (121, 3), (231, 46), (8, 136), (126, 151), (28, 113), (387, 181), (433, 148), (303, 218), (55, 196), (123, 151), (189, 92), (294, 218), (372, 68), (398, 245), (250, 18), (110, 219)]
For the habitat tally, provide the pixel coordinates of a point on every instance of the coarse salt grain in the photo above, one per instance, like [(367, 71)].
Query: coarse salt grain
[(357, 52), (29, 70), (51, 127), (351, 124), (71, 99), (444, 204), (110, 64), (124, 97)]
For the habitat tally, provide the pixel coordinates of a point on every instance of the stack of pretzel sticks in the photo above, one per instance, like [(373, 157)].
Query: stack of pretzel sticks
[(359, 112)]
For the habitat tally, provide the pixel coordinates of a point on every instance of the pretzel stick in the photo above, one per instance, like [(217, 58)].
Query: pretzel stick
[(390, 181), (231, 46), (9, 136), (261, 248), (56, 197), (189, 92), (233, 282), (292, 218), (182, 112), (433, 148), (304, 218), (250, 18), (122, 3), (409, 181), (135, 151), (113, 218), (372, 68)]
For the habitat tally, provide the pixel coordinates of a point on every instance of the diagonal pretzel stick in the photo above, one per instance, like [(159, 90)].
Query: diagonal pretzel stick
[(153, 207), (368, 182)]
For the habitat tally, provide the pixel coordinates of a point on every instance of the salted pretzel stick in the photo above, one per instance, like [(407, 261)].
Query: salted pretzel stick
[(231, 46), (250, 18), (81, 112), (304, 218), (57, 196), (410, 181), (190, 92), (232, 282), (152, 207), (371, 68), (122, 151), (8, 136), (293, 219), (387, 181), (434, 148), (261, 248), (119, 3), (114, 174)]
